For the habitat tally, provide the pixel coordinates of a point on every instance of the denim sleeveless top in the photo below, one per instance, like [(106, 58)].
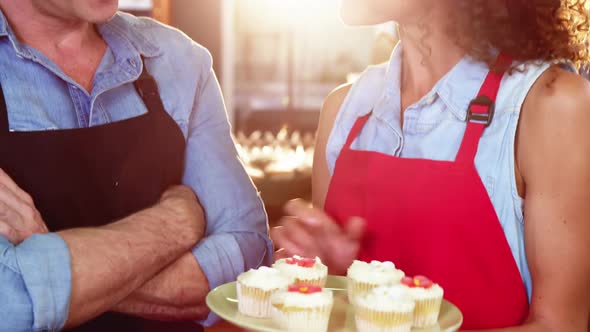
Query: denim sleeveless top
[(433, 129)]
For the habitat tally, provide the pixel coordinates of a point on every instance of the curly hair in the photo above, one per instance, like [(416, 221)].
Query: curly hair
[(527, 30)]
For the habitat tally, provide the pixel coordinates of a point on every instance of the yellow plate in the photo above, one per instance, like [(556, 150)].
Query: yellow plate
[(223, 301)]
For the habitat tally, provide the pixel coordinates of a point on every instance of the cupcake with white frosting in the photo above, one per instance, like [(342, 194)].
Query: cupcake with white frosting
[(428, 296), (309, 271), (302, 308), (255, 288), (385, 309), (362, 277)]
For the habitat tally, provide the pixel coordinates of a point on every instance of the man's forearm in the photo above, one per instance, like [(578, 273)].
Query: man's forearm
[(179, 291), (176, 293), (165, 313), (110, 262)]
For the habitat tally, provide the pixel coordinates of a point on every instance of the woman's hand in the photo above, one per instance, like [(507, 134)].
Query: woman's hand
[(19, 218), (309, 232)]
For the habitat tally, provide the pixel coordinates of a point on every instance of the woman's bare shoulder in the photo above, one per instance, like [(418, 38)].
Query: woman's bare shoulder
[(555, 122), (334, 101), (559, 93)]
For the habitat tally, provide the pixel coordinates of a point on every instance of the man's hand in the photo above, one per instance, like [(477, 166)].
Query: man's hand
[(310, 232), (19, 217)]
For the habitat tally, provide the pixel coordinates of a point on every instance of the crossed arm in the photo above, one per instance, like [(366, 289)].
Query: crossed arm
[(162, 275), (46, 294), (237, 230)]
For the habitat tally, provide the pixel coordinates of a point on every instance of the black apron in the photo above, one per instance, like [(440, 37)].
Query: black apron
[(93, 176)]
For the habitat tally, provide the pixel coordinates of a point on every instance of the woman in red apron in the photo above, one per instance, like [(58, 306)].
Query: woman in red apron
[(435, 216)]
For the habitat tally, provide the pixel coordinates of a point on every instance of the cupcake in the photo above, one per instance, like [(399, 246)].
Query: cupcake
[(302, 308), (362, 277), (428, 297), (255, 288), (309, 271), (385, 309)]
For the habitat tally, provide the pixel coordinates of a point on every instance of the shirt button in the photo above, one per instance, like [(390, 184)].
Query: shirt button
[(133, 63), (430, 100)]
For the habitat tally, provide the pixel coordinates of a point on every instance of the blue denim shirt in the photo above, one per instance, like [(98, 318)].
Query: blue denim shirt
[(35, 276), (433, 128)]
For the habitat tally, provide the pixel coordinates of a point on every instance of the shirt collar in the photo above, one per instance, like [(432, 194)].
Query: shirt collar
[(119, 30), (456, 89), (461, 85), (127, 29), (3, 32)]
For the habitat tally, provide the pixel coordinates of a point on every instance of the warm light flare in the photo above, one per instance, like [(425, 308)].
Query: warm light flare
[(284, 154)]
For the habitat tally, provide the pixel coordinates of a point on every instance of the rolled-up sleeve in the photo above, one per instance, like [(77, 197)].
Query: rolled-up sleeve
[(35, 284), (237, 228)]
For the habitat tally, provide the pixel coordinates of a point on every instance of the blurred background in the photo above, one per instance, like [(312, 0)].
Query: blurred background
[(276, 61)]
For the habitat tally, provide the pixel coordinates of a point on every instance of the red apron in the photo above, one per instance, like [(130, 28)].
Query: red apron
[(435, 218)]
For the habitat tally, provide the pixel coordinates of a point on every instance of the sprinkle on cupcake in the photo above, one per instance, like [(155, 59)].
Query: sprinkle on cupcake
[(304, 270)]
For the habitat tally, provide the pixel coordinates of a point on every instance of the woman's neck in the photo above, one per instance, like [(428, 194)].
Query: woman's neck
[(53, 33), (428, 55)]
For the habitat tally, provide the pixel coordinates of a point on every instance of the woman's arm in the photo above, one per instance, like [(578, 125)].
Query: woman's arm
[(321, 175), (553, 159)]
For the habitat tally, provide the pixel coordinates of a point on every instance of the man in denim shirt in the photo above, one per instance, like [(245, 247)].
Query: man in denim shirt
[(108, 124)]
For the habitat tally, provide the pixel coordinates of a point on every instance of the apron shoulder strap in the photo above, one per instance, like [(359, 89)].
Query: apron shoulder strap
[(147, 88), (481, 110), (356, 130)]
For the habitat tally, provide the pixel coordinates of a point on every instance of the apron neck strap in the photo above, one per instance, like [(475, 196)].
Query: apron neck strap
[(356, 130), (3, 114), (147, 88), (480, 112)]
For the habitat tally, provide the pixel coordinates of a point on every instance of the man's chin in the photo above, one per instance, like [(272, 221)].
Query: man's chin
[(101, 11)]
